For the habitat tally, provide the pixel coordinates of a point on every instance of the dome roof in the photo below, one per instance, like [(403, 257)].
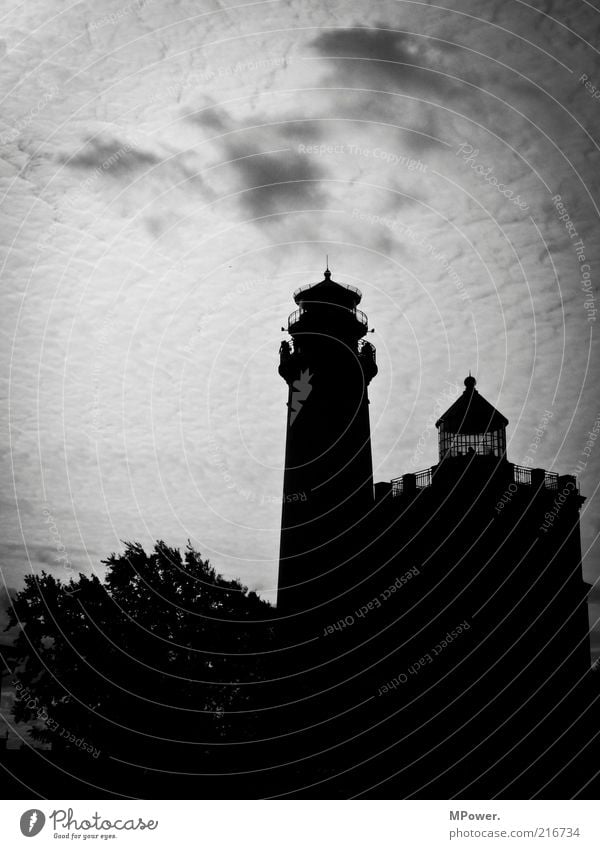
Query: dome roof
[(329, 292), (471, 413)]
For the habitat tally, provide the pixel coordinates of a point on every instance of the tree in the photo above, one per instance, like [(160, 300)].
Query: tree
[(160, 661)]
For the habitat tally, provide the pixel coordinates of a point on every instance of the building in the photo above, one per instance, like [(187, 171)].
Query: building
[(448, 610), (328, 486)]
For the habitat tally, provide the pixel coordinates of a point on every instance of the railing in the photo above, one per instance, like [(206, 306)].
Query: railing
[(366, 349), (521, 475), (295, 317), (343, 285), (361, 317), (422, 480), (397, 486)]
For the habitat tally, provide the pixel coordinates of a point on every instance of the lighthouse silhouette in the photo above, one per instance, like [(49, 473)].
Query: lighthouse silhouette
[(434, 627), (328, 480)]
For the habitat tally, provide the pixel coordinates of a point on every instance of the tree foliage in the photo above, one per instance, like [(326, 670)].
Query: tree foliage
[(161, 654)]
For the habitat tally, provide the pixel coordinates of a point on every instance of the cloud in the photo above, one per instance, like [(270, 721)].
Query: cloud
[(372, 64), (63, 563), (111, 157), (272, 176), (382, 58), (281, 181)]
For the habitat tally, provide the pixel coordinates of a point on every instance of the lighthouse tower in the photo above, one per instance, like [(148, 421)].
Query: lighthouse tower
[(328, 479)]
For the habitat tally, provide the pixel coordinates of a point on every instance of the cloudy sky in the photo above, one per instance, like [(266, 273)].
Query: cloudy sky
[(170, 172)]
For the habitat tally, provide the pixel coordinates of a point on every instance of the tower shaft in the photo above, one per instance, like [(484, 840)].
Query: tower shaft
[(328, 478)]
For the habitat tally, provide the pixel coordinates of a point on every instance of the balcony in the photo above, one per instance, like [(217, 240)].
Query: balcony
[(521, 475), (295, 317), (412, 482)]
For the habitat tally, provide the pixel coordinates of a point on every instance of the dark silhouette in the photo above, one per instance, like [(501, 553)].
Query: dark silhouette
[(154, 667), (328, 447), (430, 639), (450, 651)]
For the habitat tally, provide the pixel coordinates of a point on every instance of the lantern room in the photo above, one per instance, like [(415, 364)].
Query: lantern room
[(471, 426)]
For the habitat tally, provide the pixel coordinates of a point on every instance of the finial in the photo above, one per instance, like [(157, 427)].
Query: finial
[(327, 271), (470, 382)]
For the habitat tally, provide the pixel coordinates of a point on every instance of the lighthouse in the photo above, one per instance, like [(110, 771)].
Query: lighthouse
[(328, 476)]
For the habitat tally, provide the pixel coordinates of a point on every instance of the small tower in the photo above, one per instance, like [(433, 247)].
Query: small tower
[(472, 426), (328, 479)]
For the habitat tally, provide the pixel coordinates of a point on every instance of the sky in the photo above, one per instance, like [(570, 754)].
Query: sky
[(171, 172)]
